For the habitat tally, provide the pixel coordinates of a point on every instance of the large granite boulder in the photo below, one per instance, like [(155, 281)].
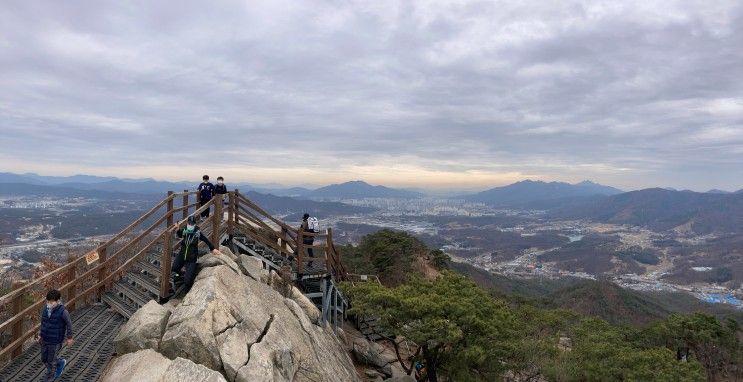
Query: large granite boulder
[(143, 330), (307, 306), (248, 331), (228, 252), (150, 366), (372, 354), (209, 260), (253, 267)]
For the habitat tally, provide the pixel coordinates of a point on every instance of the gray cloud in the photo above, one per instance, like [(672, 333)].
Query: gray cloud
[(633, 94)]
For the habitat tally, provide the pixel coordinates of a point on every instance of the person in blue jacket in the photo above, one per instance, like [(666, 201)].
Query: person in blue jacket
[(206, 192), (56, 328)]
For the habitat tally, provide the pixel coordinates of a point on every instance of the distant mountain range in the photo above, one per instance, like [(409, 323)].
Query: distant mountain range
[(27, 189), (527, 193), (349, 190), (98, 183), (359, 190), (662, 209)]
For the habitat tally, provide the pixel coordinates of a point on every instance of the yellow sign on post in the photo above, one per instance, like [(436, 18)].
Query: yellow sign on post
[(91, 257)]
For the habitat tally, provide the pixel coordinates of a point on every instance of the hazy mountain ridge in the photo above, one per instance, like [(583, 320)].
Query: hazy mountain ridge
[(358, 189), (526, 192), (26, 189), (661, 209)]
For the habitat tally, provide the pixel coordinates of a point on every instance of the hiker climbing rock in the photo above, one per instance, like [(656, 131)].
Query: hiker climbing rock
[(189, 252)]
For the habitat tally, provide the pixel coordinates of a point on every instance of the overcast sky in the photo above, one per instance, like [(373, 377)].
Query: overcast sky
[(429, 94)]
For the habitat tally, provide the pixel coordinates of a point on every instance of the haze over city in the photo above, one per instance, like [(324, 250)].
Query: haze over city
[(437, 95)]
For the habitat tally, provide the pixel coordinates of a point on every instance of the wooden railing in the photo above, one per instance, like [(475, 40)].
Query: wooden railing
[(286, 240), (86, 278), (82, 282)]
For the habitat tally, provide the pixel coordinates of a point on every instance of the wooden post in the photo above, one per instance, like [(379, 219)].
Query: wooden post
[(166, 265), (300, 250), (230, 213), (328, 251), (237, 206), (282, 242), (170, 209), (165, 261), (102, 256), (217, 218), (335, 309), (185, 203), (71, 276), (17, 306)]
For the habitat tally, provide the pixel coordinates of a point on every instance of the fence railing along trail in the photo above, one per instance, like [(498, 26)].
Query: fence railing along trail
[(86, 279)]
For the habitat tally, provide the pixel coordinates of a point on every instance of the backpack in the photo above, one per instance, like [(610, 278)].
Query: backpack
[(313, 225)]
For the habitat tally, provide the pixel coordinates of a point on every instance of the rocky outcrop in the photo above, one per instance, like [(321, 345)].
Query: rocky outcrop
[(253, 267), (234, 323), (150, 366), (372, 354), (378, 360), (144, 329), (240, 326), (305, 304), (210, 260)]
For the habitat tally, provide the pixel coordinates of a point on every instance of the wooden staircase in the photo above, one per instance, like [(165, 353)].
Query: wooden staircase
[(106, 286)]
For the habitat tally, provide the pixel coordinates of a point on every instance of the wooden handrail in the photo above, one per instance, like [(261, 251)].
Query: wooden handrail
[(64, 287), (6, 299), (198, 211), (137, 222), (36, 306), (254, 219), (245, 216), (266, 214)]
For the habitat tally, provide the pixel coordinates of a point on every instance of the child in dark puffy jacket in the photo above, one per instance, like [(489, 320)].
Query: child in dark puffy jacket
[(56, 328), (220, 188)]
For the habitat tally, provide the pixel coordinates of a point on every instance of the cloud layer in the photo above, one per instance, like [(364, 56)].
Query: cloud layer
[(430, 93)]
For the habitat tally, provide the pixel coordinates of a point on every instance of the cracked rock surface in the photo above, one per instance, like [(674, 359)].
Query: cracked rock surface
[(242, 328), (150, 366)]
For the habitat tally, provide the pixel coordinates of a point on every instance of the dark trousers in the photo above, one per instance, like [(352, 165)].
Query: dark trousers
[(205, 213), (179, 262), (49, 354), (310, 251)]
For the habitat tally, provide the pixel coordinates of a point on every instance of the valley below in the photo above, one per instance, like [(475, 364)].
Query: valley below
[(513, 242)]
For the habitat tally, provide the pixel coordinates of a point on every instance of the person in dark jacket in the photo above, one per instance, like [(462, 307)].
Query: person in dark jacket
[(307, 240), (189, 252), (220, 188), (56, 328), (206, 192)]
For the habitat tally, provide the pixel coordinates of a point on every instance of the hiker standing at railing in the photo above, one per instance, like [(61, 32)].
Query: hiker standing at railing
[(309, 225), (56, 328), (206, 192), (221, 189)]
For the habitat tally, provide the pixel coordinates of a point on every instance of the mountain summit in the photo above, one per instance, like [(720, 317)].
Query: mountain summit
[(359, 189), (529, 191)]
